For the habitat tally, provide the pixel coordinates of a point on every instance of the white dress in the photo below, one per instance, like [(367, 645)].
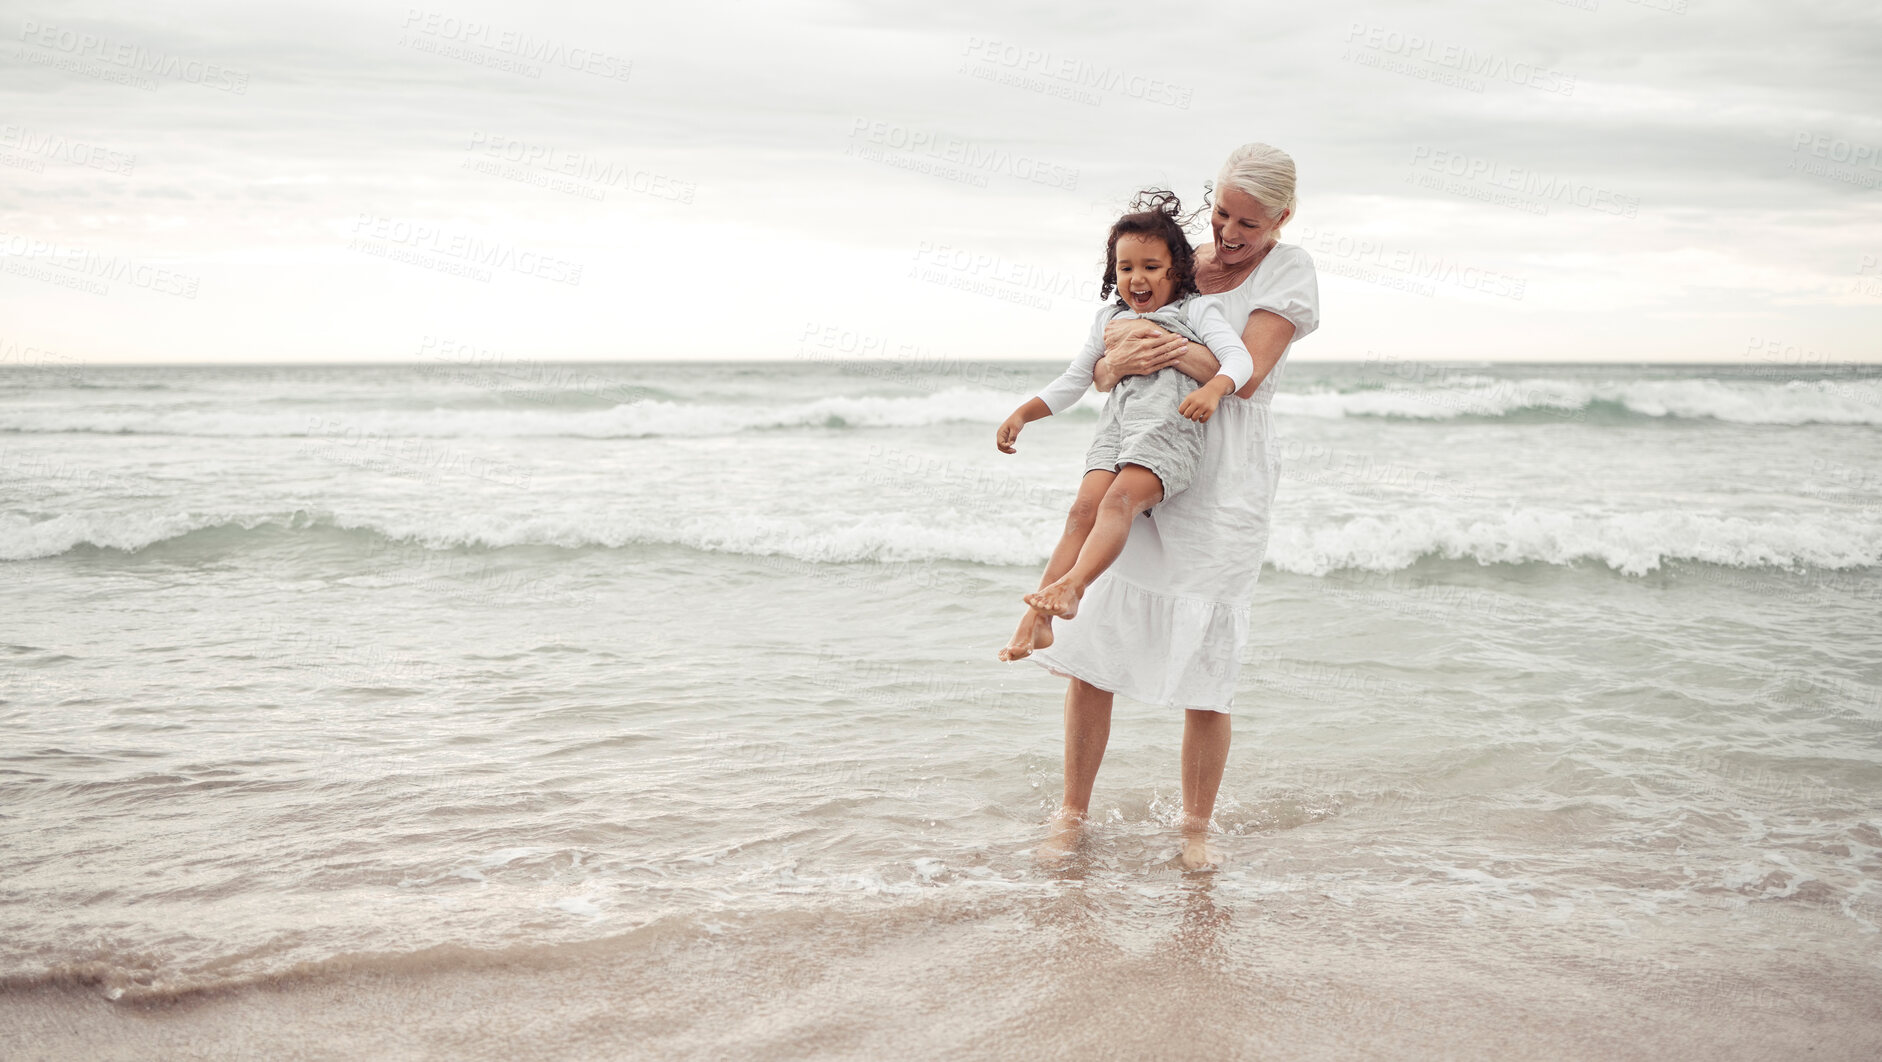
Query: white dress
[(1167, 623)]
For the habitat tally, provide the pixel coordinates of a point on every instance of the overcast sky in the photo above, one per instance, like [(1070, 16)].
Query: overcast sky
[(352, 181)]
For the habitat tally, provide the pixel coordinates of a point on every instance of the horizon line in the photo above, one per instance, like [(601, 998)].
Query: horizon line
[(500, 361)]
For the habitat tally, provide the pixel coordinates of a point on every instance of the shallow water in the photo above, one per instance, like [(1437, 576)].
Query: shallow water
[(1555, 670)]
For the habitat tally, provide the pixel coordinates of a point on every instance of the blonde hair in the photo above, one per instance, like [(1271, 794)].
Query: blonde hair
[(1264, 172)]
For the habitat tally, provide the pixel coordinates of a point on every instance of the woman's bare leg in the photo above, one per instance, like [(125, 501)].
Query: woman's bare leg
[(1035, 627), (1087, 731), (1135, 489), (1205, 753)]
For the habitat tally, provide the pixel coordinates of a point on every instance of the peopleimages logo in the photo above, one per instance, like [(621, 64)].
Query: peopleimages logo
[(64, 149), (470, 33), (424, 244), (87, 270), (1473, 169), (1367, 258), (1458, 58), (1834, 149), (590, 174), (963, 153), (1075, 74), (1823, 155), (133, 57)]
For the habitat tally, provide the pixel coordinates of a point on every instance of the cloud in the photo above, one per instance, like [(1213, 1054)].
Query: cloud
[(342, 180)]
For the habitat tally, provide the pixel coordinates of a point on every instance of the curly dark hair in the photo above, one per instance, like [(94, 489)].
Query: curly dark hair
[(1155, 213)]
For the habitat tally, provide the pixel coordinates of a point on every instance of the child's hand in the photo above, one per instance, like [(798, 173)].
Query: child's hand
[(1201, 403), (1009, 433)]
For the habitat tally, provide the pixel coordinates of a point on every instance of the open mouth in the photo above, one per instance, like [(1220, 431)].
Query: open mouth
[(1232, 248), (1140, 298)]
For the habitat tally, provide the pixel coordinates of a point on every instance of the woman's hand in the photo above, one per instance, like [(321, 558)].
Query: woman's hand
[(1137, 348)]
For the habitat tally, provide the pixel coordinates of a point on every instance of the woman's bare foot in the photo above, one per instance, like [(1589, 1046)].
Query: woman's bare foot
[(1035, 632), (1198, 853), (1058, 599), (1064, 832)]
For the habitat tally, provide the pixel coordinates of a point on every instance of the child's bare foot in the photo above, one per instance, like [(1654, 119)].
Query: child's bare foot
[(1035, 632), (1064, 832), (1059, 599)]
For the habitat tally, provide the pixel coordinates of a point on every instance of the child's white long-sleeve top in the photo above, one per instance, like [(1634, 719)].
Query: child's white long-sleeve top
[(1203, 315)]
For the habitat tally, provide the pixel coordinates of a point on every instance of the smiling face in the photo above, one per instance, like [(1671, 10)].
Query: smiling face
[(1243, 227), (1144, 276)]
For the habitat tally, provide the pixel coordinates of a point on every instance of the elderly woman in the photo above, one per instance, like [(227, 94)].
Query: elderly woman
[(1168, 622)]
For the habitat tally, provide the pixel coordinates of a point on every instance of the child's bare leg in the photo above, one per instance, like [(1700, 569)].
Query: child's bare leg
[(1035, 628), (1135, 489)]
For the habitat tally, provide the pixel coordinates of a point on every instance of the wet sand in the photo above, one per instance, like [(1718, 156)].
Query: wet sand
[(1086, 973)]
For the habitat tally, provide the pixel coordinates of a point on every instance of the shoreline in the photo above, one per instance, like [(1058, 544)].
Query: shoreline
[(1300, 977)]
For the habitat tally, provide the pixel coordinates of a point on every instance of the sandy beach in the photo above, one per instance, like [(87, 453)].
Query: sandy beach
[(1298, 977)]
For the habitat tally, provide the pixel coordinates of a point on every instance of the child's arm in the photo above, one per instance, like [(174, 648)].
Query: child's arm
[(1224, 342), (1059, 395), (1200, 404), (1237, 365), (1034, 409)]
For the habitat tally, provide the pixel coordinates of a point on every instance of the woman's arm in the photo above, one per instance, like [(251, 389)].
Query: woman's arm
[(1135, 347), (1198, 362), (1266, 337)]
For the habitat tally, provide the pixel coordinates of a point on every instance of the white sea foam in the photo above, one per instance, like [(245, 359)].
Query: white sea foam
[(23, 538), (893, 537), (1631, 543), (1735, 401), (649, 417)]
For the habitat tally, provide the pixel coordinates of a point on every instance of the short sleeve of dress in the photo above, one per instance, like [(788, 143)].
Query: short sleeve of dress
[(1287, 285)]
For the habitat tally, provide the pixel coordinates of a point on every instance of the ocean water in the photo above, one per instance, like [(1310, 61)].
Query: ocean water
[(673, 688)]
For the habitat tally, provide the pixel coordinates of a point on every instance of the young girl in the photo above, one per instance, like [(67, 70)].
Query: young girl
[(1149, 437)]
